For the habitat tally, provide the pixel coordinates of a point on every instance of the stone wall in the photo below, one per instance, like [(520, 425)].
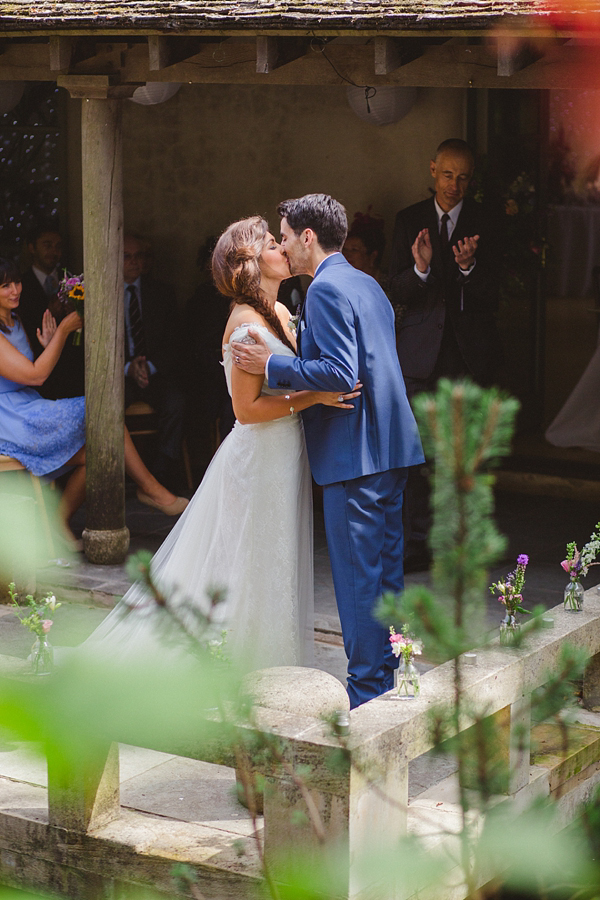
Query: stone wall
[(215, 153)]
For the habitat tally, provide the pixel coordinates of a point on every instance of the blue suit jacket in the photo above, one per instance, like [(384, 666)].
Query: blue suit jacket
[(347, 335)]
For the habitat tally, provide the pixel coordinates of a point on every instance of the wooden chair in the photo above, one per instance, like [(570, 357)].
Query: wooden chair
[(8, 464), (141, 409)]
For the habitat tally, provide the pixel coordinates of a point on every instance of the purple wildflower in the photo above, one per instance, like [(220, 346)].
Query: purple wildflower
[(522, 560)]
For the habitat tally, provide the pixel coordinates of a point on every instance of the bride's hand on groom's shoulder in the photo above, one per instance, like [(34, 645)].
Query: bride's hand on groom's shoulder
[(251, 358), (340, 401)]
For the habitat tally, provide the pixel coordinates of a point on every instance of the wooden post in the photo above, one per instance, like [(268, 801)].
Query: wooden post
[(105, 538), (84, 795)]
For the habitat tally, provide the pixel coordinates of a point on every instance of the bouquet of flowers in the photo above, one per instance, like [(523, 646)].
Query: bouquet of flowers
[(71, 293), (35, 614), (510, 590), (577, 564), (405, 644)]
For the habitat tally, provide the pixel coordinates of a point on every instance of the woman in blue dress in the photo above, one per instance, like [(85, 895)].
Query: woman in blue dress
[(48, 436)]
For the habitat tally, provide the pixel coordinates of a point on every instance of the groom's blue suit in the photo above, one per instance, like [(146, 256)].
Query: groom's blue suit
[(346, 334)]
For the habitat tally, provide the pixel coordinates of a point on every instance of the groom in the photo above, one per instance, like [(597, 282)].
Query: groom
[(346, 335)]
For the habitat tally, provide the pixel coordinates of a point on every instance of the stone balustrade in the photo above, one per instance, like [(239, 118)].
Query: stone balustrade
[(386, 734)]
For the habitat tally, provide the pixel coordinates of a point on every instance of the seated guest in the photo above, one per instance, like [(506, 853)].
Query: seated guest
[(153, 358), (48, 435), (40, 286), (365, 244)]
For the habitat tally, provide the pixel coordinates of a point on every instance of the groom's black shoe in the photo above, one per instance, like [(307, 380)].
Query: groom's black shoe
[(418, 559)]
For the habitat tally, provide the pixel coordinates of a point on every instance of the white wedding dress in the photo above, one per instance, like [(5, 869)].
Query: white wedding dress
[(248, 530), (578, 422)]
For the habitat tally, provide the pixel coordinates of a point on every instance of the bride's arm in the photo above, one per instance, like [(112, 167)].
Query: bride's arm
[(251, 407)]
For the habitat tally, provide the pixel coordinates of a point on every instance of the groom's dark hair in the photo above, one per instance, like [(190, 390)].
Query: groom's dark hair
[(322, 214)]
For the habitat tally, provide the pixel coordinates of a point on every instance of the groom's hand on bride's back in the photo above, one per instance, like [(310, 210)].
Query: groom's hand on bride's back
[(251, 358)]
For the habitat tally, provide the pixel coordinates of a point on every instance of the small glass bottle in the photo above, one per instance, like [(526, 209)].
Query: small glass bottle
[(574, 596), (42, 656), (408, 682)]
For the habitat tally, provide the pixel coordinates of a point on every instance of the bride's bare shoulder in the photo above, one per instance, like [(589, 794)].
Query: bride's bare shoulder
[(241, 314)]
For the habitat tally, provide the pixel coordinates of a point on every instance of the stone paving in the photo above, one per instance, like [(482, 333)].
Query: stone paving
[(538, 526)]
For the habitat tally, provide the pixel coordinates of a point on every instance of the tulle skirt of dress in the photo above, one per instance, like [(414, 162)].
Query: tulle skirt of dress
[(578, 422), (248, 529)]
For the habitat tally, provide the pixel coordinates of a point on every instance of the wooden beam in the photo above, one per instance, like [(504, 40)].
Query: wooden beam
[(273, 52), (85, 86), (514, 54), (562, 66), (158, 52), (391, 53), (167, 51), (61, 49)]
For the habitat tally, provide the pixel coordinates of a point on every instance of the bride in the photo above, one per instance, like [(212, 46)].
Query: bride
[(248, 528)]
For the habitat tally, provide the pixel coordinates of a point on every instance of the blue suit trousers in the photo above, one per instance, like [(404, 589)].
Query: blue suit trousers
[(363, 523)]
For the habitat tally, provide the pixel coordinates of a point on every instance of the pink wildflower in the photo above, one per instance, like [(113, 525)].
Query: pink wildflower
[(46, 625)]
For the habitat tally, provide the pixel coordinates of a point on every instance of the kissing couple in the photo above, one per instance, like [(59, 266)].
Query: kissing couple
[(335, 389)]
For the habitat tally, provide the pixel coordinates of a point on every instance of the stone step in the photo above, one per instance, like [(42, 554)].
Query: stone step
[(548, 485), (570, 765)]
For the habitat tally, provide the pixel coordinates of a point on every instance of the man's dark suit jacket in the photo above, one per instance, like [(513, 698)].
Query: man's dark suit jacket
[(161, 327), (469, 303), (67, 378)]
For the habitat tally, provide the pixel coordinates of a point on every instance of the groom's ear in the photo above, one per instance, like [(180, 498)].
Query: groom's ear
[(309, 237)]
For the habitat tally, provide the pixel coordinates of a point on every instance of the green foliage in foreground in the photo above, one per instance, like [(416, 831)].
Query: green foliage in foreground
[(181, 696), (466, 430)]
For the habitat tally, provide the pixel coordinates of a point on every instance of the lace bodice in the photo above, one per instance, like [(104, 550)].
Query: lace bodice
[(241, 334)]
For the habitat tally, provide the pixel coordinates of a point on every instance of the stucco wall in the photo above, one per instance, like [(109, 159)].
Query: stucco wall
[(215, 153)]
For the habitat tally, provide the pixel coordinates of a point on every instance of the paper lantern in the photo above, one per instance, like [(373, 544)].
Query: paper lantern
[(388, 104), (10, 94), (154, 92)]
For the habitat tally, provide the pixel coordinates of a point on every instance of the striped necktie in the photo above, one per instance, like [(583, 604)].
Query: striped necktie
[(136, 326)]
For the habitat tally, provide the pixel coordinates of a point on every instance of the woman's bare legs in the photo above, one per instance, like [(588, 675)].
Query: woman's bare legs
[(74, 492), (144, 479)]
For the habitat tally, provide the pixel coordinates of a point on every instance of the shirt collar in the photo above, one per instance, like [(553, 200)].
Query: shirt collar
[(453, 214), (41, 276), (136, 284), (336, 253)]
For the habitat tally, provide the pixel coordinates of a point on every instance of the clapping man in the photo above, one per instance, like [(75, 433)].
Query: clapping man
[(443, 280)]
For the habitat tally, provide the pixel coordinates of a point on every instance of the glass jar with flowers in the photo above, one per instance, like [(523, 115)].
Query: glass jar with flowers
[(406, 647), (510, 594), (35, 615), (576, 566)]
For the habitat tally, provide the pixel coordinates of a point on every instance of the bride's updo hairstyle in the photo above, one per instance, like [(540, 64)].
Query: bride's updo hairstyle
[(236, 269)]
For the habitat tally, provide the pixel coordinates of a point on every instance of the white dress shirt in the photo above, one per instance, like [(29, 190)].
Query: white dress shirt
[(41, 276), (453, 215)]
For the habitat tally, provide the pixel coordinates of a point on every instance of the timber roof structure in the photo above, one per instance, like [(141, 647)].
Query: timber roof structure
[(172, 16), (106, 48)]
